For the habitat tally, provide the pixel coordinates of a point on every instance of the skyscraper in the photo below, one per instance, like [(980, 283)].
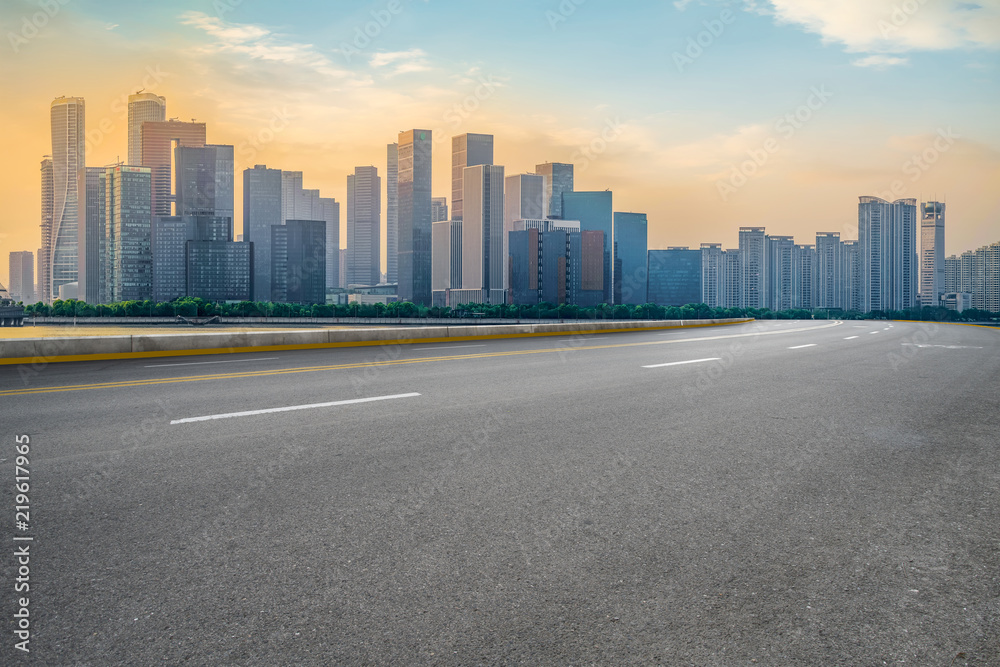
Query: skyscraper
[(483, 247), (887, 238), (524, 198), (204, 181), (732, 261), (261, 210), (68, 157), (804, 262), (713, 274), (91, 234), (142, 107), (753, 267), (22, 276), (446, 260), (128, 217), (594, 210), (558, 179), (415, 216), (157, 139), (853, 276), (779, 280), (44, 253), (931, 253), (298, 262), (631, 245), (467, 150), (364, 224), (676, 276), (298, 203), (830, 272), (391, 214)]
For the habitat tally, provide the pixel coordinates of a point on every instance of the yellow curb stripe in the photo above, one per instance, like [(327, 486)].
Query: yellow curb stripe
[(367, 364)]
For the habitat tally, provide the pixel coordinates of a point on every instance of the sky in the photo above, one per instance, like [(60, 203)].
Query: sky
[(705, 115)]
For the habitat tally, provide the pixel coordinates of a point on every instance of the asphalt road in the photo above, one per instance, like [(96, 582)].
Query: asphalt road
[(799, 493)]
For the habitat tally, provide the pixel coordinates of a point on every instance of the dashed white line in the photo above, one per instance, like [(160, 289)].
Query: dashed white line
[(873, 332), (850, 338), (799, 347), (203, 363), (250, 413), (681, 363)]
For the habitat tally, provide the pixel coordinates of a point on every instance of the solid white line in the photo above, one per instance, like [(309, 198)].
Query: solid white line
[(583, 340), (850, 338), (446, 347), (799, 347), (250, 413), (681, 363), (202, 363)]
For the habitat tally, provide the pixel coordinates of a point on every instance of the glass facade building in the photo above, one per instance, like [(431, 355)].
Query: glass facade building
[(298, 262), (415, 216), (557, 180), (595, 212), (204, 182), (91, 233), (392, 214), (675, 277), (142, 107), (128, 231), (467, 150), (68, 158), (364, 224), (219, 270), (261, 211), (631, 246), (157, 140)]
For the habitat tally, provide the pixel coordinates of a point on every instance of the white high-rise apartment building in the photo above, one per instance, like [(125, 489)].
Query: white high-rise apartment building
[(364, 224), (753, 267), (931, 253), (887, 238), (467, 150)]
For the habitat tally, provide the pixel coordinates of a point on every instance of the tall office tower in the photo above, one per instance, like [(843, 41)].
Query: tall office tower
[(44, 292), (68, 157), (779, 263), (446, 261), (91, 234), (804, 262), (483, 260), (467, 150), (391, 214), (128, 231), (156, 141), (329, 212), (594, 210), (142, 107), (931, 253), (524, 199), (733, 278), (204, 182), (415, 216), (887, 236), (676, 276), (853, 277), (439, 209), (829, 270), (631, 246), (713, 276), (952, 273), (298, 262), (22, 276), (558, 179), (342, 268), (753, 267), (364, 224), (261, 211), (192, 257)]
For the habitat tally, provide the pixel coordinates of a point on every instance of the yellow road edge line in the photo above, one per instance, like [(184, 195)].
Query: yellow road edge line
[(390, 362), (152, 354)]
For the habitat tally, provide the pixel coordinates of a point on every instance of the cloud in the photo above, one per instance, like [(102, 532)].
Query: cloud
[(259, 44), (681, 5), (891, 26), (880, 61), (414, 60)]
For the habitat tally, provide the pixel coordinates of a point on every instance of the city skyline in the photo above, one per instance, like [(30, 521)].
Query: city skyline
[(261, 83)]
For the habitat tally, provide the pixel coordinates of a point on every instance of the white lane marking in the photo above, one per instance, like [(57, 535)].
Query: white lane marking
[(873, 332), (681, 363), (202, 363), (250, 413), (799, 347), (946, 347), (582, 339), (445, 347), (850, 338)]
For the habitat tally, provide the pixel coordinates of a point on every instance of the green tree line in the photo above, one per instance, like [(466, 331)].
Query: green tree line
[(196, 307)]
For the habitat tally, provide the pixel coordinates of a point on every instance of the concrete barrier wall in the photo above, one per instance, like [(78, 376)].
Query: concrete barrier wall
[(45, 350)]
